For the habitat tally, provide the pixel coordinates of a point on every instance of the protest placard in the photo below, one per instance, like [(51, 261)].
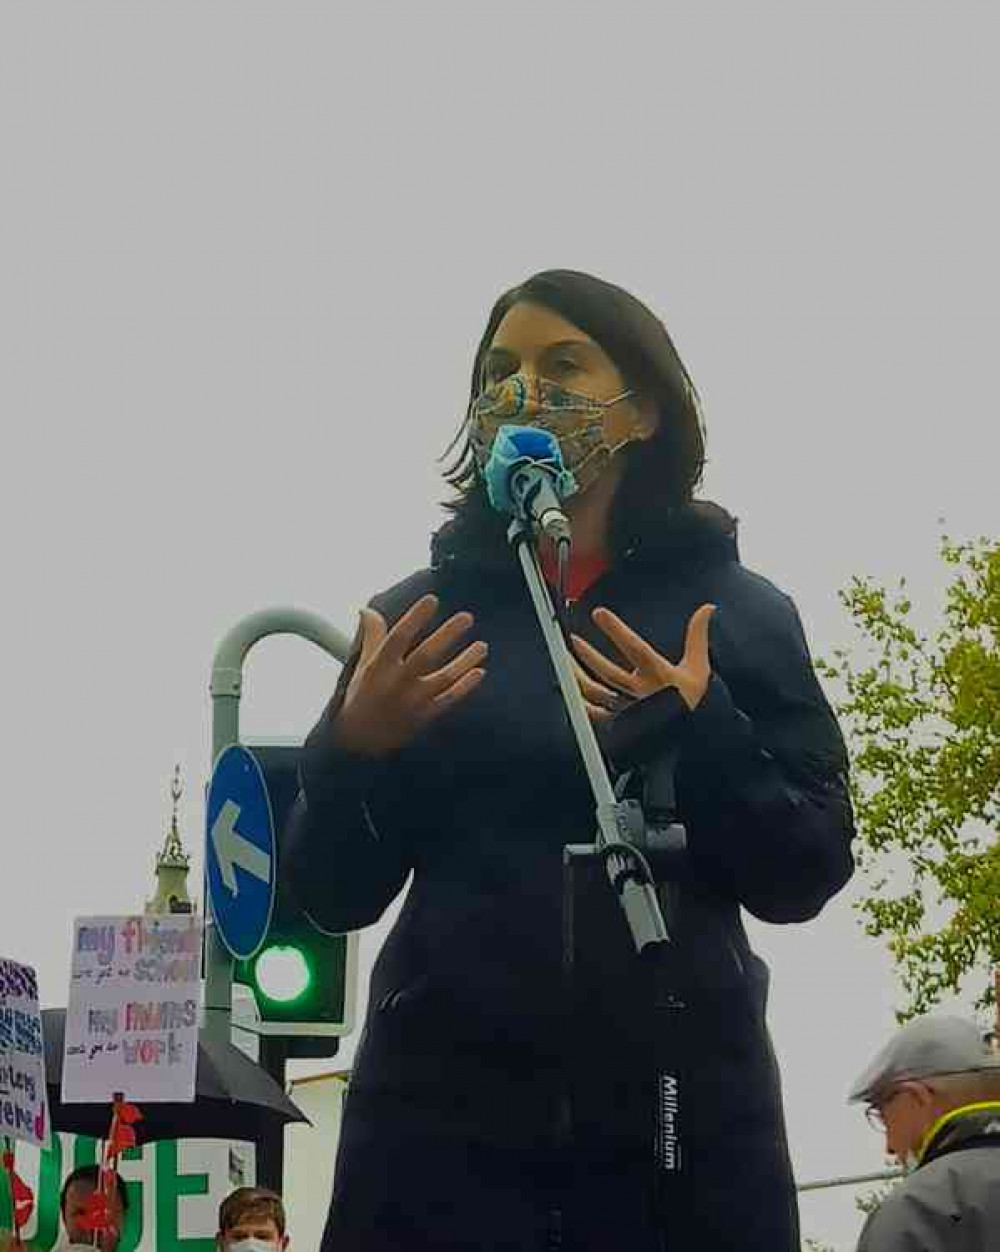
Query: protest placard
[(23, 1105), (132, 1018)]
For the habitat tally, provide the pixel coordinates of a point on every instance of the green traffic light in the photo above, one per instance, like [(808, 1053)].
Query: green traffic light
[(282, 974)]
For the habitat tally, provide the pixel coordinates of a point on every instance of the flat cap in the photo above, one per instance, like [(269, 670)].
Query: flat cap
[(923, 1048)]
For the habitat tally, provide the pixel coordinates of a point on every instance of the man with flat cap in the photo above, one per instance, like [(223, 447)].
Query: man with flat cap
[(934, 1091)]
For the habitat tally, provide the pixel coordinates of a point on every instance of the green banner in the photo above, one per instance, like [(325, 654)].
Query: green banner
[(174, 1190)]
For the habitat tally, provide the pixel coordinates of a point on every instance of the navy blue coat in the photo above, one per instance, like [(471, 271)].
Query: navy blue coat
[(454, 1127)]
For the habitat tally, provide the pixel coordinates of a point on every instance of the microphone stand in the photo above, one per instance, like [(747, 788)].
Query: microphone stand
[(620, 823), (656, 1108)]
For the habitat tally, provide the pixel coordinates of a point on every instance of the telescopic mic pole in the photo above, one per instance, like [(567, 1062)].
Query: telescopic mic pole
[(627, 869)]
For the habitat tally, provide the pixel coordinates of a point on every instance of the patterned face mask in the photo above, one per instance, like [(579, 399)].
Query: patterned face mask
[(577, 422)]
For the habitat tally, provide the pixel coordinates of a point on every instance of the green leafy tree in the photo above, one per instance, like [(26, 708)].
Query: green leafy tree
[(922, 717)]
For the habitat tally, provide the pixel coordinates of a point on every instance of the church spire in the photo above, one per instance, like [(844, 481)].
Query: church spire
[(172, 865)]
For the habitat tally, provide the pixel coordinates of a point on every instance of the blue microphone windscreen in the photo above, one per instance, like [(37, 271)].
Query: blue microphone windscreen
[(522, 445), (534, 443)]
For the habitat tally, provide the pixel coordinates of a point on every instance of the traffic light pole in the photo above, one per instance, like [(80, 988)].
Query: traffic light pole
[(226, 689), (271, 1145)]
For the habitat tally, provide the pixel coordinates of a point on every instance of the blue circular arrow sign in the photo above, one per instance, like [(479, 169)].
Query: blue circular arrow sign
[(240, 851)]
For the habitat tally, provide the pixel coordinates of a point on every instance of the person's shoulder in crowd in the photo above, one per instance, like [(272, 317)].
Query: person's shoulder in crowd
[(947, 1203)]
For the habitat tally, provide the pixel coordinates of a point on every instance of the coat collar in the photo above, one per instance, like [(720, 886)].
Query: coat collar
[(953, 1130), (699, 532)]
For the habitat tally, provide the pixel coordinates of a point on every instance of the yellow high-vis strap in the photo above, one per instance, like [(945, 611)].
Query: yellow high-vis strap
[(982, 1106)]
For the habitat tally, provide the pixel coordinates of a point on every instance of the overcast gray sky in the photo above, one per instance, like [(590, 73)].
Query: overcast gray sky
[(246, 251)]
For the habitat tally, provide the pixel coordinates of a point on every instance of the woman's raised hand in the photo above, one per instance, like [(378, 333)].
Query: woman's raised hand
[(400, 683), (615, 685)]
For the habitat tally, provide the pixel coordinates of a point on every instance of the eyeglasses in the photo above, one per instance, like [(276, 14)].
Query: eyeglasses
[(875, 1112)]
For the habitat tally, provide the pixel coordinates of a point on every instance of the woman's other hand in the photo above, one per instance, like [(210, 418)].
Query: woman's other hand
[(608, 684), (400, 685)]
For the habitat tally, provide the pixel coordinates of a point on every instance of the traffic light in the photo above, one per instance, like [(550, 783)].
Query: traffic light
[(303, 980)]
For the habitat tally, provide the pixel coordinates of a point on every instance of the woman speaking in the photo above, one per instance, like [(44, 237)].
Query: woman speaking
[(446, 752)]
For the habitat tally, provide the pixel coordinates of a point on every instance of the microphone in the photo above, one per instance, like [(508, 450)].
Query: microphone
[(525, 476)]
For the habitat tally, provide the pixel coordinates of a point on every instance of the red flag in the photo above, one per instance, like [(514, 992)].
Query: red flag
[(97, 1215), (21, 1193), (129, 1113), (24, 1201), (122, 1137)]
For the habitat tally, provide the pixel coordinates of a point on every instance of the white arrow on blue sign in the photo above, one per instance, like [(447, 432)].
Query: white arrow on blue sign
[(240, 851)]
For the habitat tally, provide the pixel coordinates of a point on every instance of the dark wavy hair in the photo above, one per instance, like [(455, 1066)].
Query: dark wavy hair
[(661, 472)]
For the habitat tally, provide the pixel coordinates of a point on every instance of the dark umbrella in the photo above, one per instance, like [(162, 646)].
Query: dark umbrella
[(234, 1098)]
